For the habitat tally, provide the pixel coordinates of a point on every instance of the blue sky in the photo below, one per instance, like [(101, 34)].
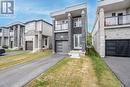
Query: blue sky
[(26, 10)]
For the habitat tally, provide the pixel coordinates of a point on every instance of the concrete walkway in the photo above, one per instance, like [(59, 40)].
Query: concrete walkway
[(21, 74), (121, 67)]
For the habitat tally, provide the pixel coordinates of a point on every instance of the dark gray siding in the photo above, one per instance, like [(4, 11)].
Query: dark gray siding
[(77, 30), (61, 36)]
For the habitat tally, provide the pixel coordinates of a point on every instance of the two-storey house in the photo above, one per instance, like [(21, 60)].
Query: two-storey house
[(38, 35), (111, 30), (69, 30), (12, 35)]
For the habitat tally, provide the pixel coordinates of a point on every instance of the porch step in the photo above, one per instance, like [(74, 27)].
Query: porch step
[(75, 54)]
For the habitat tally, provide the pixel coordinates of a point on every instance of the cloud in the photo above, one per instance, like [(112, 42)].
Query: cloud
[(31, 9)]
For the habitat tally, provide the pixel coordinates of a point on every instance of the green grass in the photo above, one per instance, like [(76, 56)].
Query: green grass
[(105, 76), (8, 61), (67, 73), (88, 71), (8, 50)]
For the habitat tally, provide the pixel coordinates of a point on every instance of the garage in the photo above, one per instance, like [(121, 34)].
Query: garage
[(29, 45), (62, 46), (119, 48)]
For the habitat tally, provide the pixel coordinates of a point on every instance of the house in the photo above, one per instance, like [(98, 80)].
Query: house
[(38, 34), (16, 35), (3, 36), (11, 36), (69, 30), (111, 31)]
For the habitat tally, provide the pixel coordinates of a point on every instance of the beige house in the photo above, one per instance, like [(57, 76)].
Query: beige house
[(111, 30), (37, 35), (12, 35), (33, 35)]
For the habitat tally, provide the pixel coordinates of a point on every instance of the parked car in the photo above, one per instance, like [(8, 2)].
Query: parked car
[(2, 51)]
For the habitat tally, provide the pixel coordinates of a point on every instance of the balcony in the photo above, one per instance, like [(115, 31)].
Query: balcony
[(61, 26), (117, 20)]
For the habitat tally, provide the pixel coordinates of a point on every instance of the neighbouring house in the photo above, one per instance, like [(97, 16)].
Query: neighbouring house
[(16, 35), (69, 30), (111, 31), (3, 36), (12, 36), (38, 34)]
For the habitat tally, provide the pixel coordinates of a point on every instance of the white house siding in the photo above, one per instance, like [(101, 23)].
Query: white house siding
[(47, 29), (32, 32), (128, 10), (109, 14), (29, 38), (118, 33), (95, 36), (39, 26), (29, 26), (0, 34), (6, 41), (107, 2)]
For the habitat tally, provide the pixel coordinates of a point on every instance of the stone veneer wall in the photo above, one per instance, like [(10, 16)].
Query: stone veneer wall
[(118, 33)]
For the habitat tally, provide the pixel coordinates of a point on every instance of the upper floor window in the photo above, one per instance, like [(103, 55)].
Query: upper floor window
[(77, 22), (11, 29), (0, 30), (113, 14), (61, 25)]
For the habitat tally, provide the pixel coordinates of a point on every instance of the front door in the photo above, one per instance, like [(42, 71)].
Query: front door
[(45, 42), (77, 41), (11, 44), (120, 18)]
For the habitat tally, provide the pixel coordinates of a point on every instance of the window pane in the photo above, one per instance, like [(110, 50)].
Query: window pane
[(76, 41), (46, 41), (80, 40), (77, 22)]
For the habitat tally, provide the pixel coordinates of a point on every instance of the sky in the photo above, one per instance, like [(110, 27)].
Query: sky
[(27, 10)]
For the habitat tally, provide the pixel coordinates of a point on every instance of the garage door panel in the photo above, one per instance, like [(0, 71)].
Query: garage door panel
[(62, 46), (118, 48), (29, 45)]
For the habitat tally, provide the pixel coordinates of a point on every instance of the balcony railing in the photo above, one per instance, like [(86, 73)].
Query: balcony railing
[(61, 26), (117, 20)]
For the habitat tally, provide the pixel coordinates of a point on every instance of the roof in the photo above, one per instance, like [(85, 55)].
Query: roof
[(69, 9), (16, 23), (4, 27), (37, 21)]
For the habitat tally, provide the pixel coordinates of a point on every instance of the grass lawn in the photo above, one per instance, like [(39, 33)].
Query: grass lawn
[(104, 75), (8, 61), (8, 50), (88, 71), (68, 73)]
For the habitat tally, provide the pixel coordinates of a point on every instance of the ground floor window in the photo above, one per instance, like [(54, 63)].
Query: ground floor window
[(77, 41)]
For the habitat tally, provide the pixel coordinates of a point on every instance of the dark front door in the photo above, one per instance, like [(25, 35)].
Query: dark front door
[(11, 44), (120, 18), (119, 48), (29, 45)]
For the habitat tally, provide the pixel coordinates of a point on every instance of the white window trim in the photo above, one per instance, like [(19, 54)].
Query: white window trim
[(79, 35)]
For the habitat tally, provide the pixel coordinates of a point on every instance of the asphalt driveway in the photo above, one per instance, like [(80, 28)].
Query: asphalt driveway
[(21, 74), (12, 53), (121, 67)]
